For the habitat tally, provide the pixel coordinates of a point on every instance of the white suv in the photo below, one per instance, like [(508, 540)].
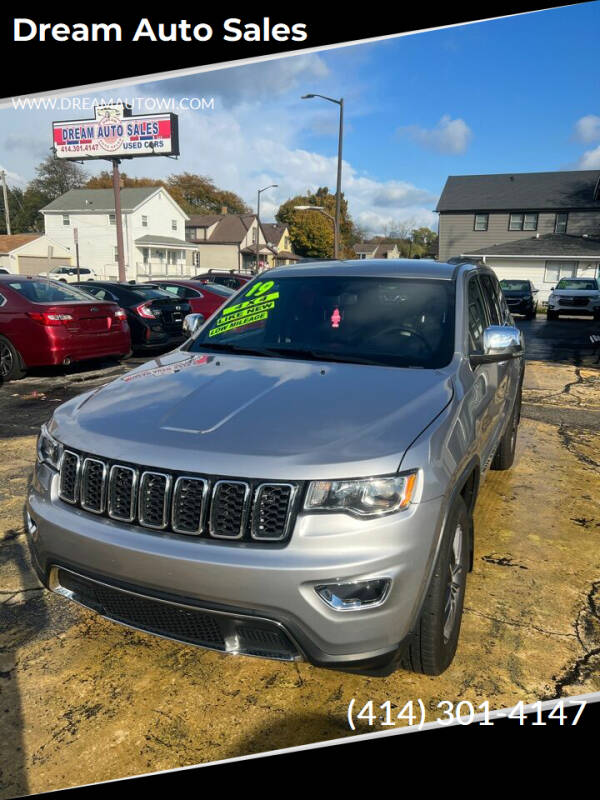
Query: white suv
[(69, 274), (575, 296)]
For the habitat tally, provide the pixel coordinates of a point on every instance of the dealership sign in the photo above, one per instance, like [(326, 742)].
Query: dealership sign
[(115, 133)]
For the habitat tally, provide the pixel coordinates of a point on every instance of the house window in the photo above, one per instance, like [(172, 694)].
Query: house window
[(112, 219), (172, 256), (523, 222), (116, 254), (555, 270), (66, 219), (481, 222), (560, 223), (145, 254), (173, 224), (362, 255), (196, 259), (144, 222)]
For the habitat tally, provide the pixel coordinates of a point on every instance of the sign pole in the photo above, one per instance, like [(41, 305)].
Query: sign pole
[(118, 219), (76, 237)]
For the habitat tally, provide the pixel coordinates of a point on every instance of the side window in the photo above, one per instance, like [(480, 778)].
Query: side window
[(489, 293), (477, 317), (2, 300), (189, 293)]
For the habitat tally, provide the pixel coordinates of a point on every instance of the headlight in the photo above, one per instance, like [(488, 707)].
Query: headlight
[(366, 497), (49, 450)]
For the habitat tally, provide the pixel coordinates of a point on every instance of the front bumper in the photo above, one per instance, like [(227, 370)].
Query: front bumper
[(269, 585)]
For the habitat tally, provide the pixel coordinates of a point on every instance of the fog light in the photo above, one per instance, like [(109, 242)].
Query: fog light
[(355, 595)]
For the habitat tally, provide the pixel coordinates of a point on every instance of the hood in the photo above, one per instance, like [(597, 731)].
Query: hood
[(256, 417)]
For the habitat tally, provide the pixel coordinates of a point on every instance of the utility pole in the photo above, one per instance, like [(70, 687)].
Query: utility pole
[(338, 191), (76, 237), (118, 219), (260, 191), (6, 209)]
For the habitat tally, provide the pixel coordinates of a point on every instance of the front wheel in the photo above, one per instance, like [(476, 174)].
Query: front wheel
[(436, 636)]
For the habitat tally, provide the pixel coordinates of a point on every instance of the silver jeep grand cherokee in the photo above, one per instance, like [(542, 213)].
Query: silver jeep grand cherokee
[(298, 479)]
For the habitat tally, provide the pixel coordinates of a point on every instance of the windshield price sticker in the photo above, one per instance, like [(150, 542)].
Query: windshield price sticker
[(249, 311)]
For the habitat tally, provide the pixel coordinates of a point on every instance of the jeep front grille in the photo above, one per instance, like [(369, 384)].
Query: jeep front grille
[(207, 506)]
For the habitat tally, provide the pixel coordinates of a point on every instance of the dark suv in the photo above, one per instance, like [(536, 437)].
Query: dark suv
[(521, 297)]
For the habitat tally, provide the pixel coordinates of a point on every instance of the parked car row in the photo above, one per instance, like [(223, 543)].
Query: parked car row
[(572, 296), (45, 322)]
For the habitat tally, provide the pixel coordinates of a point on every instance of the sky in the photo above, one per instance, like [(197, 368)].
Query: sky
[(520, 94)]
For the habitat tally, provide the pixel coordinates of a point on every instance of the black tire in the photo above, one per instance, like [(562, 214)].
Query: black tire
[(433, 646), (11, 368), (551, 314), (505, 454)]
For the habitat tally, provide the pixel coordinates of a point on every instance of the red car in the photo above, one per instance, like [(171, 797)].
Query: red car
[(204, 298), (45, 322)]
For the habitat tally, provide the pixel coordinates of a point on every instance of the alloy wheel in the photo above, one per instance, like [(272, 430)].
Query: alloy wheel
[(454, 584), (6, 360)]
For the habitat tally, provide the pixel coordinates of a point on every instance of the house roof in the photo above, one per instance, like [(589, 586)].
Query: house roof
[(101, 199), (202, 220), (164, 241), (10, 243), (230, 228), (549, 244), (521, 191), (273, 231)]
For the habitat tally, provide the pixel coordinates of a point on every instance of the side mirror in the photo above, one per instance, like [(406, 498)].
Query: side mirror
[(500, 343), (192, 322)]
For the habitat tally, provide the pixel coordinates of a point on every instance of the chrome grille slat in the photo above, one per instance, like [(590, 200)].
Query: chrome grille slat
[(229, 509), (93, 485), (122, 492), (193, 505), (271, 511), (188, 508), (70, 467), (153, 500)]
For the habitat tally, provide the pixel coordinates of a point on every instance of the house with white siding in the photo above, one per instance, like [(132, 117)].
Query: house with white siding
[(153, 231)]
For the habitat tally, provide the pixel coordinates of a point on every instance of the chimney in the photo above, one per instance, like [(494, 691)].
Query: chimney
[(223, 209)]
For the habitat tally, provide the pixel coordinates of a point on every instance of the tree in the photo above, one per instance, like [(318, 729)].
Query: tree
[(311, 232), (104, 180), (197, 194), (56, 176)]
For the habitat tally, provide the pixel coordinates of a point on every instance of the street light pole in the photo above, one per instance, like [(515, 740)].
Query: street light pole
[(260, 191), (338, 191), (119, 220)]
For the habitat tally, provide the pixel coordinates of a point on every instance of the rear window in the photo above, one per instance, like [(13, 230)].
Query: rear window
[(224, 291), (565, 283), (148, 293), (48, 291)]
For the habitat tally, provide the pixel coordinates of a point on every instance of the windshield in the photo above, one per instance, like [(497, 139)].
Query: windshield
[(564, 283), (48, 291), (515, 286), (384, 321)]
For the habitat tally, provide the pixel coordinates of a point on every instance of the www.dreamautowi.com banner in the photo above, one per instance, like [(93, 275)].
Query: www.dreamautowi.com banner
[(54, 49)]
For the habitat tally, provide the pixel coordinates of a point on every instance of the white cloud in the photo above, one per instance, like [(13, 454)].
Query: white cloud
[(590, 159), (451, 136), (587, 129), (247, 84)]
